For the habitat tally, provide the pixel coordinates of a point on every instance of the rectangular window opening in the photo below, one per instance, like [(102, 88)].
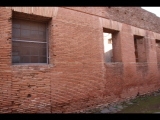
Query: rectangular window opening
[(108, 47), (140, 49), (111, 46), (29, 41), (158, 50)]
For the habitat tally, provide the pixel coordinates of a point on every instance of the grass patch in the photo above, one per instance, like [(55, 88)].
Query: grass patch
[(147, 104)]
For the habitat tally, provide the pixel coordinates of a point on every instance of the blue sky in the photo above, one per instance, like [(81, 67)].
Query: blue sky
[(155, 10)]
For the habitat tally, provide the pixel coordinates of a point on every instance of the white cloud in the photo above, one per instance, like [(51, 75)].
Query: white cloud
[(155, 10)]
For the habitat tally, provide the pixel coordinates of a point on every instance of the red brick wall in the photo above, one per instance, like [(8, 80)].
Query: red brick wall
[(134, 16), (5, 60), (76, 76)]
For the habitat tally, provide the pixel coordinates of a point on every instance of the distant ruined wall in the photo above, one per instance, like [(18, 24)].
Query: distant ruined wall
[(134, 16)]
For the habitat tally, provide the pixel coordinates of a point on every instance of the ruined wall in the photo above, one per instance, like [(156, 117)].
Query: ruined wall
[(76, 76), (134, 16)]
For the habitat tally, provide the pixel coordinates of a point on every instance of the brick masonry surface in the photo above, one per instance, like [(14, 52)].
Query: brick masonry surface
[(76, 77)]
